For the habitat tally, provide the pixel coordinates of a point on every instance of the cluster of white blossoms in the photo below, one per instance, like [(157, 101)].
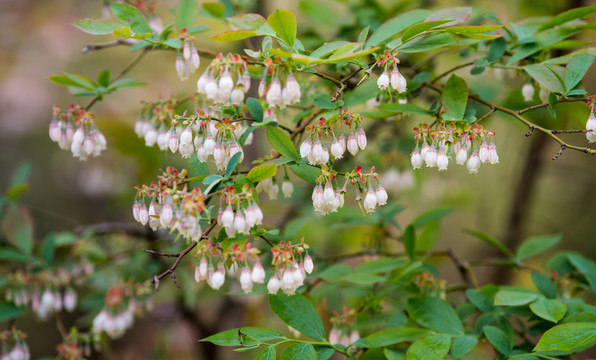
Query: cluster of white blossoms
[(247, 215), (122, 302), (114, 324), (217, 83), (43, 303), (172, 205), (469, 147), (326, 199), (276, 95), (271, 187), (319, 153), (188, 61), (291, 264), (74, 129), (397, 81), (343, 330), (591, 128), (14, 346)]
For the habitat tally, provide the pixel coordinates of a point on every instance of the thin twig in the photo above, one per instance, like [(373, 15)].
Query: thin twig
[(451, 70)]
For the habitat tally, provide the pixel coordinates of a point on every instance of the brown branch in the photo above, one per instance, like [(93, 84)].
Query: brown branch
[(451, 70), (562, 100), (100, 46), (464, 269), (267, 240)]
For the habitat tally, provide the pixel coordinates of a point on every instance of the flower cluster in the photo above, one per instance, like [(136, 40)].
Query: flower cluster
[(591, 127), (247, 215), (77, 345), (344, 330), (328, 198), (271, 187), (468, 145), (389, 61), (171, 204), (318, 153), (122, 302), (14, 346), (217, 83), (291, 263), (270, 86), (188, 61), (74, 129)]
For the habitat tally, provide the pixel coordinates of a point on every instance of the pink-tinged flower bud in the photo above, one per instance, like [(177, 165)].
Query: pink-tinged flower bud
[(354, 336), (285, 97), (370, 201), (270, 115), (246, 280), (150, 137), (317, 151), (227, 218), (250, 216), (431, 157), (267, 184), (383, 81), (216, 280), (336, 149), (361, 138), (195, 60), (308, 264), (258, 273), (181, 68), (211, 89), (203, 268), (226, 83), (381, 195), (462, 156), (334, 336), (398, 81), (424, 150), (273, 285), (143, 214), (186, 150), (493, 157), (591, 127), (202, 154), (237, 96), (328, 194), (416, 159), (54, 131), (339, 194), (186, 136), (318, 200), (273, 192), (287, 282), (342, 142), (17, 353), (197, 274), (240, 223), (70, 299), (219, 155), (166, 215), (79, 135), (473, 163), (88, 146), (274, 93), (135, 211), (442, 161), (209, 145), (293, 89), (305, 148), (202, 83), (287, 188), (528, 92), (352, 144), (186, 51), (69, 132), (262, 88), (173, 141), (258, 214), (483, 152), (298, 277), (325, 156), (234, 149), (47, 299)]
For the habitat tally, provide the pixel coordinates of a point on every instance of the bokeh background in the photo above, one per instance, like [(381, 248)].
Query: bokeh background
[(526, 194)]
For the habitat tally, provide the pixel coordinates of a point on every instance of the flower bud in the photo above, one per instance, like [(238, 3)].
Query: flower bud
[(258, 273), (70, 299), (246, 280), (181, 68), (398, 81), (274, 93), (216, 280), (143, 214), (473, 163), (237, 96), (195, 60), (462, 156), (383, 81), (493, 157), (166, 215), (528, 92), (227, 218), (381, 195), (352, 144), (416, 159), (370, 201), (186, 136), (442, 161), (287, 188), (305, 147), (431, 157), (308, 264), (150, 137), (202, 83), (361, 138), (483, 152), (273, 285), (336, 149)]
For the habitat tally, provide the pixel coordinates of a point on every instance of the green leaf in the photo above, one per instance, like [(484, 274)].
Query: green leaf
[(255, 108), (212, 179), (498, 339), (431, 216), (428, 42), (462, 345), (455, 97), (479, 299), (262, 172), (215, 9), (187, 12), (363, 278), (433, 347), (512, 296), (198, 167), (9, 254), (268, 353), (395, 25), (335, 272), (567, 16), (542, 41), (549, 309), (586, 267), (391, 336), (96, 26), (490, 240), (323, 352), (306, 172), (576, 69), (393, 355), (251, 22), (420, 28), (299, 352), (283, 22), (103, 79), (282, 143), (327, 48), (131, 16), (299, 313), (544, 284), (233, 35), (405, 108), (536, 245), (435, 314), (9, 311), (545, 77), (17, 227), (232, 164), (323, 101), (497, 49), (473, 29), (380, 265), (242, 336), (567, 338), (409, 240)]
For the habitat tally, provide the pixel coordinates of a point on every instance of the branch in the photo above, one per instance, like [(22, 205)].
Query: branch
[(451, 70)]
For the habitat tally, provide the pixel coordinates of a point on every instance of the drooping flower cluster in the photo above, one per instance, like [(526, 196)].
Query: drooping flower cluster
[(14, 346), (316, 149), (291, 263), (271, 187), (171, 205), (78, 345), (217, 83), (75, 129), (389, 62), (270, 86), (122, 303), (470, 145), (344, 331), (591, 127), (188, 60), (247, 212), (328, 198)]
